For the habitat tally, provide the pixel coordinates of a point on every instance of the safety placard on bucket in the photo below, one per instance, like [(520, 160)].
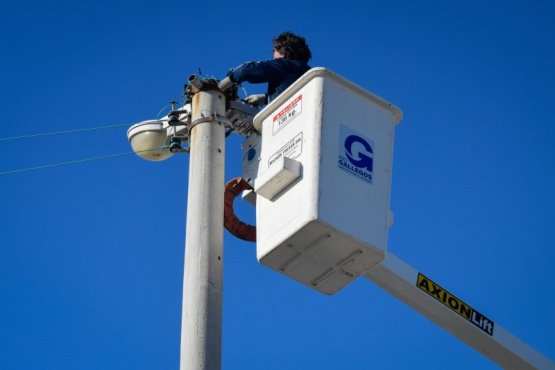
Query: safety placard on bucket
[(292, 149), (287, 114)]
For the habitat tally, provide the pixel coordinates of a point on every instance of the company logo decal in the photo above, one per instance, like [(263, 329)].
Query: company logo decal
[(356, 154), (455, 304)]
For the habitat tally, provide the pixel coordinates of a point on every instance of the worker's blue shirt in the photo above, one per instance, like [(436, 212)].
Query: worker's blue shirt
[(279, 73)]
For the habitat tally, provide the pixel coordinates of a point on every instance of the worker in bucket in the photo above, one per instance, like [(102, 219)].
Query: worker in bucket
[(291, 56)]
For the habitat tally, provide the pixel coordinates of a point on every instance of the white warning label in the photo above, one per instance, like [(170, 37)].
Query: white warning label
[(292, 149), (287, 114)]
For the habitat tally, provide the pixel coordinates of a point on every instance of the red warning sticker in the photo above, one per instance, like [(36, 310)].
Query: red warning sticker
[(287, 114)]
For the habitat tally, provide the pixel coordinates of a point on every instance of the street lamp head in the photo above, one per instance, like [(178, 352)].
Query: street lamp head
[(148, 140)]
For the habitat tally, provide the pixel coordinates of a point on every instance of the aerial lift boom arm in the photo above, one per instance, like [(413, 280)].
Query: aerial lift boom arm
[(452, 314)]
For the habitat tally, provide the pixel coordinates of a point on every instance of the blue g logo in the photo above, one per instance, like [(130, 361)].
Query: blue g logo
[(359, 157)]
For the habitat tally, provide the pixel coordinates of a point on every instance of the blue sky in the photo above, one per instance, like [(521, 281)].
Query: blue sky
[(91, 254)]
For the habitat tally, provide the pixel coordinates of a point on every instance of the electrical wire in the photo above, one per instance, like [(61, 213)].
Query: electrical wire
[(161, 110), (63, 132), (75, 162), (244, 91), (85, 129), (77, 131)]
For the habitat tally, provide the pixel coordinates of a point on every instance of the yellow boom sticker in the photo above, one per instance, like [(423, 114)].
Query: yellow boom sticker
[(455, 304)]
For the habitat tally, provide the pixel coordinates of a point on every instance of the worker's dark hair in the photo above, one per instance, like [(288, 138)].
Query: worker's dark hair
[(292, 46)]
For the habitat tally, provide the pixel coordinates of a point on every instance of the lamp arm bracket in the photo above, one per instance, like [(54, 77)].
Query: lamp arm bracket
[(213, 117)]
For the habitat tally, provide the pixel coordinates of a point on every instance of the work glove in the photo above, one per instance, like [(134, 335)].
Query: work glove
[(257, 99)]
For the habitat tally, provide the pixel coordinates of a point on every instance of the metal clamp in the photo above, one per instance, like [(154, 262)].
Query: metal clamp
[(213, 117)]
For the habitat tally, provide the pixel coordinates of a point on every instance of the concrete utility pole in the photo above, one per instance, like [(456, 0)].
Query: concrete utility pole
[(201, 330)]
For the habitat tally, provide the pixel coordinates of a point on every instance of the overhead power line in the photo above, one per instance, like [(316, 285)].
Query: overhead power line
[(63, 132), (73, 162)]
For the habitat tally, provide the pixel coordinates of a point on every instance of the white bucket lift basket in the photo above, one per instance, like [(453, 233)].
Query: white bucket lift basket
[(321, 169)]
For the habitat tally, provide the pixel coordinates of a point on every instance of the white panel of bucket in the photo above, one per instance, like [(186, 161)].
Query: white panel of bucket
[(322, 217)]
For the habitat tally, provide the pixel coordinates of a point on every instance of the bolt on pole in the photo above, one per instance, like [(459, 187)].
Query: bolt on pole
[(201, 329)]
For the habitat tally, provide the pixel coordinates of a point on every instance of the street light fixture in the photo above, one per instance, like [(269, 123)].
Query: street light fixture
[(156, 140), (148, 140)]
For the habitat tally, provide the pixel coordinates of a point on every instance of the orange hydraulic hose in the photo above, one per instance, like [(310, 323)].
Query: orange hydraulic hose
[(231, 222)]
